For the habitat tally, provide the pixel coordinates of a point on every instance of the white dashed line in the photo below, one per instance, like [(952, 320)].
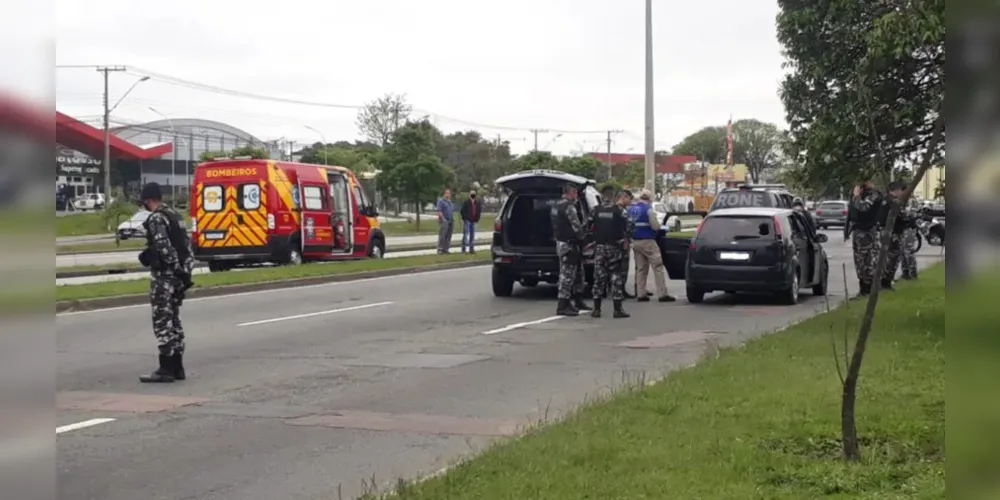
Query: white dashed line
[(320, 313), (515, 326), (83, 425)]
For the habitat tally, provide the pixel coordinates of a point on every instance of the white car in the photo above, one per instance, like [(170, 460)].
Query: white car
[(673, 224), (90, 201), (132, 228)]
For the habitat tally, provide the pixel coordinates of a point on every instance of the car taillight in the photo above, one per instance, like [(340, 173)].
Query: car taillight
[(270, 221), (843, 212), (497, 226), (819, 212), (698, 229), (777, 227)]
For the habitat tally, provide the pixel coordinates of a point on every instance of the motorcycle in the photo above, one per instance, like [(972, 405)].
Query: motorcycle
[(931, 230)]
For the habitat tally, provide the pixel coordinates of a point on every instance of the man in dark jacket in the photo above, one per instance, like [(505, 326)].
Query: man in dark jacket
[(472, 211)]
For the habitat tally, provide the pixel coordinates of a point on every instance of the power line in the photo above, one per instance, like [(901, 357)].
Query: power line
[(189, 84)]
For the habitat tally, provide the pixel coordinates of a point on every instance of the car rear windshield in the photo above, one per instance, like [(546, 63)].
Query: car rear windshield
[(740, 199), (723, 230), (528, 221), (832, 206)]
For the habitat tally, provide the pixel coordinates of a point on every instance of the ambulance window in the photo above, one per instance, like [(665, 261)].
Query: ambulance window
[(212, 198), (249, 198), (314, 197)]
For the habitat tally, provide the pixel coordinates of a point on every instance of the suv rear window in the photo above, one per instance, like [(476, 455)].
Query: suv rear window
[(741, 199), (723, 230)]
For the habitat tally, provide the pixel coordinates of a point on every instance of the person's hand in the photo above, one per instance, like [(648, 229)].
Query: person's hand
[(857, 191)]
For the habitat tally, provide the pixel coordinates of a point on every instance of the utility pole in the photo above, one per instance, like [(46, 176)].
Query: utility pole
[(107, 129), (536, 131), (609, 150), (650, 142)]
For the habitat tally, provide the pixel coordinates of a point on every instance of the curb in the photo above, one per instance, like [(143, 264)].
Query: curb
[(215, 291), (126, 269)]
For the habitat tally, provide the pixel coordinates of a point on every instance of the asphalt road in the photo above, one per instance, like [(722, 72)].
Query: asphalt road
[(293, 394)]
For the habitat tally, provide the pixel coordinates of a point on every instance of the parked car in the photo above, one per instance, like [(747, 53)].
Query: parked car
[(89, 201), (831, 213), (756, 250), (132, 228), (524, 248)]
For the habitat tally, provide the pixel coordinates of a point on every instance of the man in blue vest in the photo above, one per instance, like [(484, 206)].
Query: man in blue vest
[(647, 252)]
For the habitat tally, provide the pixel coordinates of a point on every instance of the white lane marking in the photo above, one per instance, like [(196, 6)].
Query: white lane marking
[(515, 326), (320, 313), (285, 289), (83, 425)]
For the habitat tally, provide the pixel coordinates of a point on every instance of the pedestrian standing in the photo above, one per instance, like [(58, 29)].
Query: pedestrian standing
[(168, 256), (863, 226), (896, 239), (647, 251), (446, 221), (612, 229), (471, 211), (628, 200), (569, 232)]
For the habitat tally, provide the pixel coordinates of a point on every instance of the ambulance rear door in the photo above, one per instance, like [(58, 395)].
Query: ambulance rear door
[(317, 221)]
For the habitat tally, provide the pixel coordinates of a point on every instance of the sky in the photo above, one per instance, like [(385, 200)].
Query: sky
[(502, 68)]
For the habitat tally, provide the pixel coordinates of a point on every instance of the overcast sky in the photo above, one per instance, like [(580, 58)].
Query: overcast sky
[(547, 64)]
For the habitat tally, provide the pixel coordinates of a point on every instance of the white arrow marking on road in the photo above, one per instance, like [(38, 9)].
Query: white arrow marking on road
[(83, 425), (320, 313), (515, 326)]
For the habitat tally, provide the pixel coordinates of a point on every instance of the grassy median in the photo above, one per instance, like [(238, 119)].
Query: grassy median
[(140, 286), (757, 422)]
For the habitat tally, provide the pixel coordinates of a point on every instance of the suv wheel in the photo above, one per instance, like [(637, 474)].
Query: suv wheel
[(695, 295), (791, 295), (503, 285), (824, 279)]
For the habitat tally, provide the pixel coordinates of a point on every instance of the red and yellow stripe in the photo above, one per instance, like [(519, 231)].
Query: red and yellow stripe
[(253, 231)]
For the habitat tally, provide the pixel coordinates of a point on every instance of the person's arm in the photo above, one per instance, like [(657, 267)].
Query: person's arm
[(479, 210), (440, 210), (167, 254), (464, 211), (575, 222), (654, 222)]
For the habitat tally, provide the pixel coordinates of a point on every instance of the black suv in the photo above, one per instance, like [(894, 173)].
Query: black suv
[(524, 249), (756, 250)]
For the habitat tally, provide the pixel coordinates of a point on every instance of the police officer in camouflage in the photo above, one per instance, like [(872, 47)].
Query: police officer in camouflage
[(612, 229), (567, 226), (897, 246), (863, 228), (168, 256)]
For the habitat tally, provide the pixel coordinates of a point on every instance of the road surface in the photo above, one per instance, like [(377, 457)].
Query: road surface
[(294, 394)]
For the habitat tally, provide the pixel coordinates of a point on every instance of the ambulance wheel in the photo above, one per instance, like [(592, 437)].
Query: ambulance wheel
[(377, 249)]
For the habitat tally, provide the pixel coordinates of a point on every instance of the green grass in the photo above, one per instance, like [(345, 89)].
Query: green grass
[(84, 224), (757, 422), (130, 287)]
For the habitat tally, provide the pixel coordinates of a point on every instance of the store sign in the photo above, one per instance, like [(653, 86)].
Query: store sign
[(77, 165)]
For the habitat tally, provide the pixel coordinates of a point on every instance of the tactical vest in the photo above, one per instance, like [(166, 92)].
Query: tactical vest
[(865, 221), (609, 224), (639, 213), (175, 230), (561, 227)]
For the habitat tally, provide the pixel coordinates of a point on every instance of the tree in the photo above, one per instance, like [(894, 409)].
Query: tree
[(863, 95), (473, 158), (584, 166), (707, 144), (536, 160), (378, 119), (757, 145), (410, 168), (350, 157)]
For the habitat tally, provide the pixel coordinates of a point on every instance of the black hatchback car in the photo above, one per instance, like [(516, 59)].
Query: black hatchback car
[(752, 196), (524, 248), (756, 250)]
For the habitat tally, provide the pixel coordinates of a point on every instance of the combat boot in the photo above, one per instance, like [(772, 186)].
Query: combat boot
[(887, 285), (580, 305), (620, 311), (178, 366), (864, 289), (596, 313), (565, 308), (163, 375)]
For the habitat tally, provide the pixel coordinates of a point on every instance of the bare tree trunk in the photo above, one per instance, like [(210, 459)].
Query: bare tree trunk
[(848, 426), (417, 212)]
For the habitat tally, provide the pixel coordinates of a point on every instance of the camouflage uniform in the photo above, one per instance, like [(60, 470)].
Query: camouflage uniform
[(170, 280), (610, 261), (909, 258), (865, 241)]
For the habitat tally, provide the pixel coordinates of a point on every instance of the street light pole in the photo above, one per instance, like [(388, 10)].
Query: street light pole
[(106, 70), (650, 164), (323, 138)]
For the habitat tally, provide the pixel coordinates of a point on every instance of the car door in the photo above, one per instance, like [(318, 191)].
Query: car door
[(800, 238), (316, 227)]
